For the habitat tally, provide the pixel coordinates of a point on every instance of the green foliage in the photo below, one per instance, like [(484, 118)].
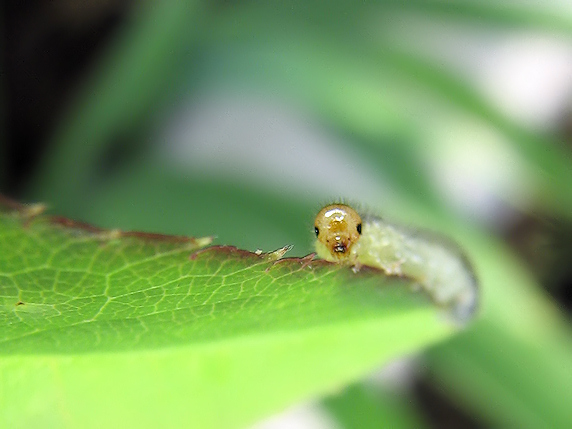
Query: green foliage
[(146, 326), (353, 69), (365, 407)]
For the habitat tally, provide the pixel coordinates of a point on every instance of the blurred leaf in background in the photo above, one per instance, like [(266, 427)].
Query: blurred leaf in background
[(239, 119)]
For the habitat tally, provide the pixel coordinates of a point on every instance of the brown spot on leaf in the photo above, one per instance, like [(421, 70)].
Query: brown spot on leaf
[(74, 224), (227, 250), (7, 204)]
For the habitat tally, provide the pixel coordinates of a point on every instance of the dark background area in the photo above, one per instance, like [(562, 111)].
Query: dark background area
[(48, 48)]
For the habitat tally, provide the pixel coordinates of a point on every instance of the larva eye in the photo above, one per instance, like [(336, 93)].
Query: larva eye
[(359, 228), (317, 231)]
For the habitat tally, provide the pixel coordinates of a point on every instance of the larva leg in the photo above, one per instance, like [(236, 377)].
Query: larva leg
[(394, 267)]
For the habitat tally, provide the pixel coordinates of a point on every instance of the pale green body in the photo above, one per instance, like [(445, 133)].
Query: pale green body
[(438, 266)]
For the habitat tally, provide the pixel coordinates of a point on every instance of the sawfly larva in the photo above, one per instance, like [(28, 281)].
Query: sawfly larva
[(436, 264)]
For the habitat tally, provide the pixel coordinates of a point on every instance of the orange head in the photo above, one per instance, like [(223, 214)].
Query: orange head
[(337, 227)]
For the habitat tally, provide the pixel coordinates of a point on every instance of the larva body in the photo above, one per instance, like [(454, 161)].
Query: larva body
[(437, 265)]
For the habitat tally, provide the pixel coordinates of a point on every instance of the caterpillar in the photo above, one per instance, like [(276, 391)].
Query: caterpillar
[(436, 264)]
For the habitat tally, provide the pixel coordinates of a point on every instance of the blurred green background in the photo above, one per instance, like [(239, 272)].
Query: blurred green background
[(240, 119)]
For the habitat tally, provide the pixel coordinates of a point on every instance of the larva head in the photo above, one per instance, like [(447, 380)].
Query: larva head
[(337, 228)]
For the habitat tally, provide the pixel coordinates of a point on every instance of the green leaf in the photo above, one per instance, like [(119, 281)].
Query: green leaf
[(102, 327), (554, 18), (508, 380), (514, 365), (544, 154), (365, 406)]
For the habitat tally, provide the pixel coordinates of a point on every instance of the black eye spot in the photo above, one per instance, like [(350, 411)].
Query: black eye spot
[(316, 230), (359, 228)]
